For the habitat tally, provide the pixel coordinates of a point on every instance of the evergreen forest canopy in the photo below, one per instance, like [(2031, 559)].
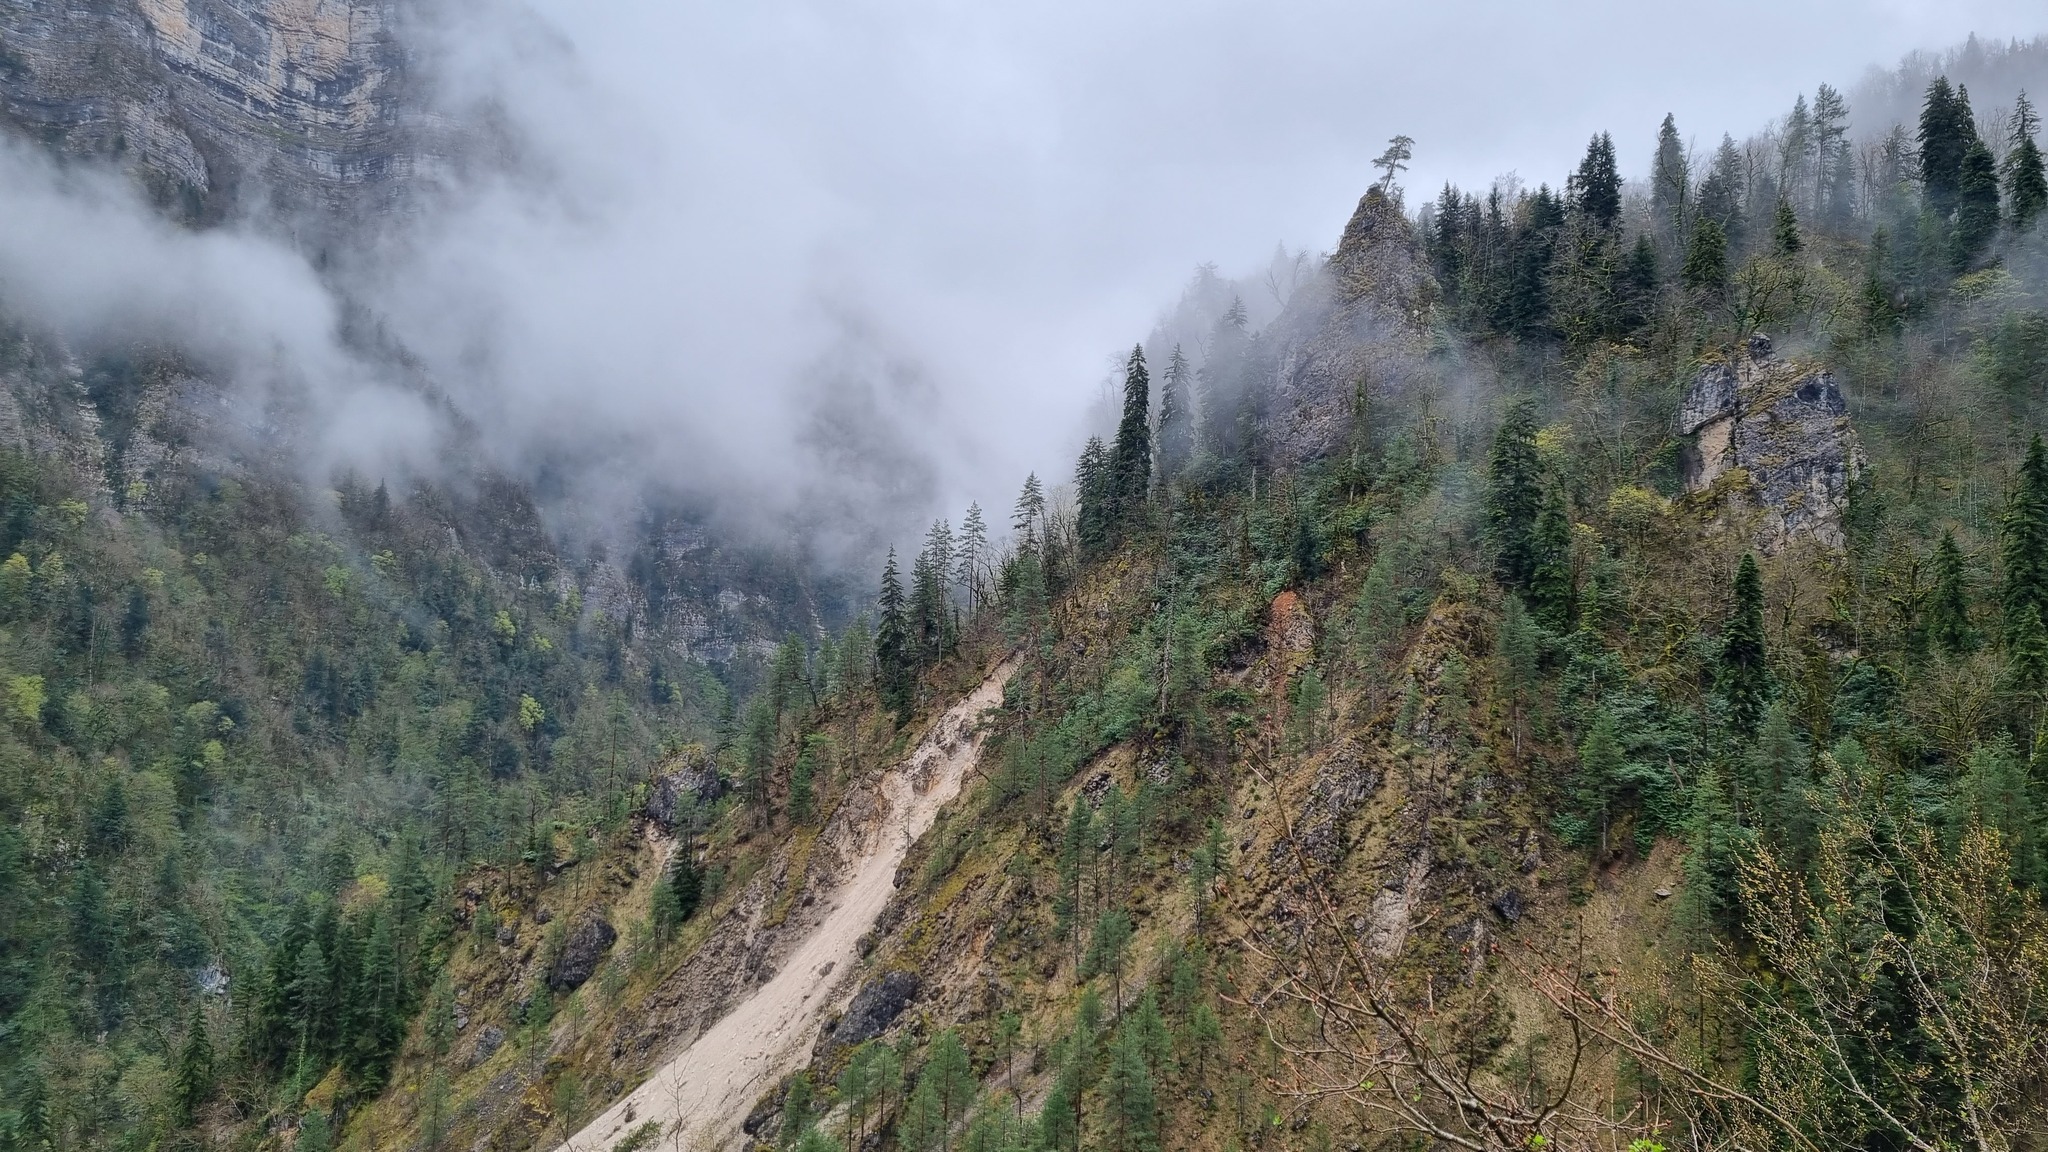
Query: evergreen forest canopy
[(272, 776)]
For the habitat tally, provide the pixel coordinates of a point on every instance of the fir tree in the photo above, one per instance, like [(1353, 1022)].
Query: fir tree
[(1785, 229), (1599, 777), (676, 894), (1552, 592), (1130, 457), (1028, 516), (2026, 181), (1947, 130), (1176, 419), (1948, 611), (1670, 181), (192, 1083), (1977, 215), (1706, 259), (1095, 480), (2023, 540), (1597, 186), (1833, 159), (1513, 498), (971, 556), (893, 645), (1720, 194), (1741, 679)]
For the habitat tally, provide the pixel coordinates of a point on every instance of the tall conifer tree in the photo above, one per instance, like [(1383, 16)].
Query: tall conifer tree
[(1670, 182), (1176, 418), (1131, 456), (2026, 181), (1949, 611), (893, 645), (1513, 498), (1742, 680), (2023, 543)]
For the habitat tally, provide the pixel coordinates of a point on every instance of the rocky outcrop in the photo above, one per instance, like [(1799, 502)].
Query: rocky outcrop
[(294, 103), (873, 1009), (1355, 336), (1778, 430), (585, 947), (691, 780)]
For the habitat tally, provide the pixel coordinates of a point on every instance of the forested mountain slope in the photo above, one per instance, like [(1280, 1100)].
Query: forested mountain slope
[(1571, 676)]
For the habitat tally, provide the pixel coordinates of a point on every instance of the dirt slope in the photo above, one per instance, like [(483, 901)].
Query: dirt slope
[(701, 1096)]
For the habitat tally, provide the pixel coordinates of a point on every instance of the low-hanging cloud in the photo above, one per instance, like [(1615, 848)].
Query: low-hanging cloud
[(849, 265), (84, 256)]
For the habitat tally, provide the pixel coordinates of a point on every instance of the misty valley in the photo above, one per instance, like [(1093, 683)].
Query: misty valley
[(556, 597)]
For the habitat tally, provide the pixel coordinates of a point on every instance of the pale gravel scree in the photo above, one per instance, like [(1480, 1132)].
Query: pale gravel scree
[(701, 1096)]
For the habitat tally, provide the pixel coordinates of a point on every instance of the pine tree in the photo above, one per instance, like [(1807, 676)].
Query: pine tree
[(1513, 498), (1205, 865), (1706, 259), (1948, 610), (1597, 186), (1130, 457), (2026, 180), (1742, 680), (2023, 541), (1074, 845), (1785, 229), (1977, 215), (930, 611), (1795, 148), (1176, 419), (192, 1084), (894, 645), (1552, 592), (1670, 182)]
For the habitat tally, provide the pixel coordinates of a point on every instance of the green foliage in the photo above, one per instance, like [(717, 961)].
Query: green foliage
[(1741, 679)]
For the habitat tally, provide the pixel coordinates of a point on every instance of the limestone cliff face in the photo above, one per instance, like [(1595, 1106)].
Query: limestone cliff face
[(1784, 425), (1360, 330), (293, 104)]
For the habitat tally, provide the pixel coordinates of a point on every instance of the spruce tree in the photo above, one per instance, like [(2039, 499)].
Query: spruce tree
[(1833, 159), (796, 1112), (1706, 259), (1670, 182), (1599, 776), (1720, 194), (893, 645), (952, 1078), (1741, 679), (2026, 181), (1551, 588), (1785, 229), (1095, 481), (1131, 455), (1597, 186), (192, 1083), (1513, 498), (1946, 132), (971, 556), (1977, 216), (1948, 611), (1176, 418), (2023, 541)]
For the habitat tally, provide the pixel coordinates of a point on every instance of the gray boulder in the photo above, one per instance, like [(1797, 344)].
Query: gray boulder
[(874, 1008), (585, 947)]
